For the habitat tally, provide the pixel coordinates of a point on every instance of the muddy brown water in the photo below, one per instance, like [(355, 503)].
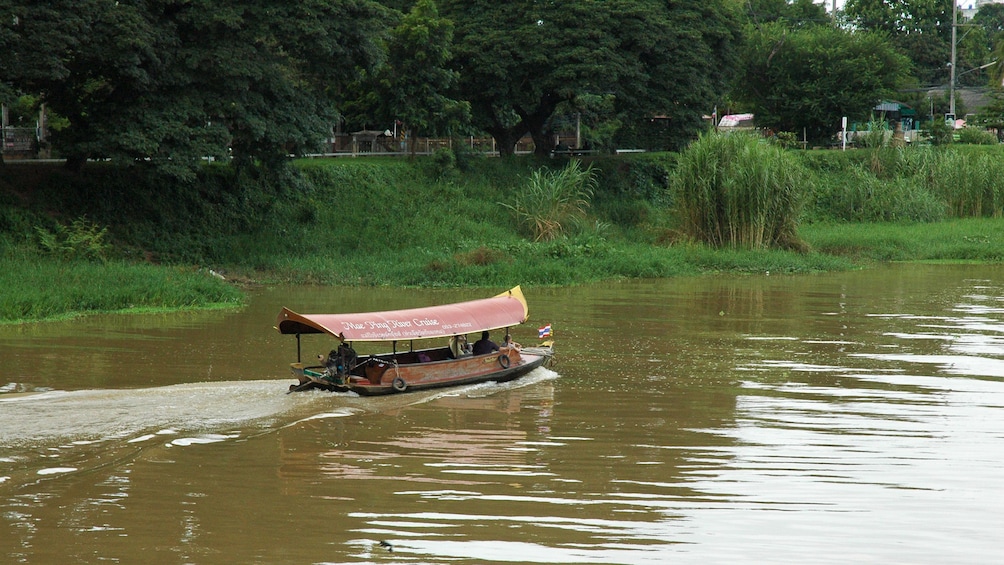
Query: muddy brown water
[(852, 417)]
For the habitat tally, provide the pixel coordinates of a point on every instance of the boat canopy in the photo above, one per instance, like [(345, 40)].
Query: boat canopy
[(501, 311)]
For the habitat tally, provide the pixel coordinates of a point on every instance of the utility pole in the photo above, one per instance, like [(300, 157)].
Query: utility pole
[(951, 85), (3, 130)]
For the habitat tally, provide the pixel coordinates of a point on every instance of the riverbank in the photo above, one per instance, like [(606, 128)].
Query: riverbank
[(40, 288), (435, 222)]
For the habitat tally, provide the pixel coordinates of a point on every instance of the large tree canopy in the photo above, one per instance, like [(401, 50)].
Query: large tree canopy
[(172, 81), (991, 18), (416, 82), (414, 85), (921, 29), (807, 79), (519, 60)]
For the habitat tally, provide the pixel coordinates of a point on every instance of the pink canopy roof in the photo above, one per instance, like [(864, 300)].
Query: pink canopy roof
[(505, 310)]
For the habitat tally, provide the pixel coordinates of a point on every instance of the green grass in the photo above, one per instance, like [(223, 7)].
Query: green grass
[(857, 195), (42, 288), (959, 240)]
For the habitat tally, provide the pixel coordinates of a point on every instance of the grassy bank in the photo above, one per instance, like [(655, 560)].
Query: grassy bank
[(442, 221), (955, 240), (39, 288)]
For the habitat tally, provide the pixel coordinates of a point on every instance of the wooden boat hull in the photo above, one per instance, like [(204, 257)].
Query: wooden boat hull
[(390, 374)]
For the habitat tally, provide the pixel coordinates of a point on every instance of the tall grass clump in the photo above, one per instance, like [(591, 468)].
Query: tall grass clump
[(876, 136), (860, 196), (896, 162), (971, 183), (737, 191), (553, 200)]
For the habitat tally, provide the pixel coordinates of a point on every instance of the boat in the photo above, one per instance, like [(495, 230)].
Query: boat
[(450, 362)]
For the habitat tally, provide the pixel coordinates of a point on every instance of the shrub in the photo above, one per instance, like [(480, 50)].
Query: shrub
[(938, 132), (82, 239), (443, 163), (976, 136), (786, 139), (737, 191), (552, 200)]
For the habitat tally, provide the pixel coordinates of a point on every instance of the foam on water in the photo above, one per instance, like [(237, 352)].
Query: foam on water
[(46, 435), (98, 415), (136, 415), (56, 470)]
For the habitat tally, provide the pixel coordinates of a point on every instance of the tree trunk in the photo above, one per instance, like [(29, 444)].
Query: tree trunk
[(75, 163), (505, 134), (506, 139), (536, 124), (543, 141)]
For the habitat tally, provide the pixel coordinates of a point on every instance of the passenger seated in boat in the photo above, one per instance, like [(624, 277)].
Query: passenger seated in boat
[(508, 342), (459, 346), (330, 363), (484, 345)]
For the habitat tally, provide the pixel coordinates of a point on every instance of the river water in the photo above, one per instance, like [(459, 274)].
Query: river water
[(839, 418)]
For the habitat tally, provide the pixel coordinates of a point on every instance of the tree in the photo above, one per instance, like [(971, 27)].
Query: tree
[(972, 52), (921, 29), (519, 60), (807, 79), (169, 82), (681, 58), (991, 18), (992, 116), (795, 14), (997, 70), (415, 84), (7, 37)]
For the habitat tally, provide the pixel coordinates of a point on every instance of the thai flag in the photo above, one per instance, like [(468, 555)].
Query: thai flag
[(544, 331)]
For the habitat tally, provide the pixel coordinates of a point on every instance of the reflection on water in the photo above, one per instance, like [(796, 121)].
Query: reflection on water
[(840, 418)]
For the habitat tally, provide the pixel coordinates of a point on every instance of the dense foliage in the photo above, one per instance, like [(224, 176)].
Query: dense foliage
[(414, 85), (921, 29), (171, 82), (798, 13), (805, 80), (617, 61)]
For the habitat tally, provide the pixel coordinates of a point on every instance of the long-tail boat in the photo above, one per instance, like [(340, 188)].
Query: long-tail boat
[(452, 362)]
